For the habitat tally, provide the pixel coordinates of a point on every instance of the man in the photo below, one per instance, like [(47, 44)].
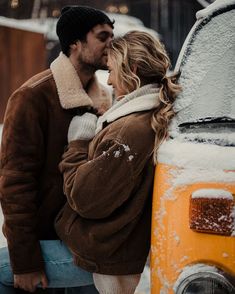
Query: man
[(34, 136)]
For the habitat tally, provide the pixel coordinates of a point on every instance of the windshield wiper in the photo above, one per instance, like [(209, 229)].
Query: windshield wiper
[(208, 124)]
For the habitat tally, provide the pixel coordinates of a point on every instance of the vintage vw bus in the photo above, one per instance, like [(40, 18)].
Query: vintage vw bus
[(193, 223)]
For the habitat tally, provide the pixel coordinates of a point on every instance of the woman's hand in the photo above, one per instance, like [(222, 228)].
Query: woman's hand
[(82, 127), (30, 281)]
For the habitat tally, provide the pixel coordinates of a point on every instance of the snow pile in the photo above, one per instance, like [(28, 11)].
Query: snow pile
[(212, 194), (191, 175), (195, 163), (47, 26), (35, 25), (207, 65), (191, 155), (215, 6)]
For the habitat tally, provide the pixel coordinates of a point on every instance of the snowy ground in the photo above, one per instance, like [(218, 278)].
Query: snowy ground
[(2, 239), (0, 132), (144, 283)]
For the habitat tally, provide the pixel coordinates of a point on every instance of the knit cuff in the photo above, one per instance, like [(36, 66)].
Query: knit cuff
[(82, 127)]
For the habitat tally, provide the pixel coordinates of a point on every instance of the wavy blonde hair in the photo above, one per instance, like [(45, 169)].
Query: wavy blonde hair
[(141, 59)]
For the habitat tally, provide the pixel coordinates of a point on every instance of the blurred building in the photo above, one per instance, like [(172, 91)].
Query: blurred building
[(29, 44), (172, 19)]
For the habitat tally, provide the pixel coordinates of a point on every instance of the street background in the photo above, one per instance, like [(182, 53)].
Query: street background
[(29, 43)]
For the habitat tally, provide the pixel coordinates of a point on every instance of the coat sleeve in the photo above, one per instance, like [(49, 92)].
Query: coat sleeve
[(22, 156), (96, 187)]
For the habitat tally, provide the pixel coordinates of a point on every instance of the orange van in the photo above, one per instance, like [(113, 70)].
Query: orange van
[(193, 219)]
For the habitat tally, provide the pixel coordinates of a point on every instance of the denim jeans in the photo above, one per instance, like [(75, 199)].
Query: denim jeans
[(59, 267)]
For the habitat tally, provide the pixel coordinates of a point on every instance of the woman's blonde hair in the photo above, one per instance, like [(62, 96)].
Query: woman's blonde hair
[(140, 59)]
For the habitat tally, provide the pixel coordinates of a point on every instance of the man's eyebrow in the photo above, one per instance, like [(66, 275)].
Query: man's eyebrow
[(105, 33)]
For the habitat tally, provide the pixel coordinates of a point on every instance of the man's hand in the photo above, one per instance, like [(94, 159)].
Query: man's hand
[(29, 282)]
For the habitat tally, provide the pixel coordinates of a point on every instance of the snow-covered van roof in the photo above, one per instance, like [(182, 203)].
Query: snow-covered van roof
[(207, 65)]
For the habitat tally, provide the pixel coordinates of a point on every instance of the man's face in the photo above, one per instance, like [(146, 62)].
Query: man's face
[(93, 51)]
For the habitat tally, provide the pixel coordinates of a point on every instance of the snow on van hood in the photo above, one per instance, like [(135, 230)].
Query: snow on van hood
[(196, 155), (196, 162), (207, 65)]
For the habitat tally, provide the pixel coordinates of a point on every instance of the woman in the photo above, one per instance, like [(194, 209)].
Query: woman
[(108, 180)]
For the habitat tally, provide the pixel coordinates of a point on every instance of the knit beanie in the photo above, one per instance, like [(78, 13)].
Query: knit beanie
[(76, 21)]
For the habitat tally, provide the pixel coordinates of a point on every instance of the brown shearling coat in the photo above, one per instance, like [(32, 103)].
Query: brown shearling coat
[(33, 140), (108, 183)]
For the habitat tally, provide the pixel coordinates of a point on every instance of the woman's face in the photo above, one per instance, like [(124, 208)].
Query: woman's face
[(119, 92)]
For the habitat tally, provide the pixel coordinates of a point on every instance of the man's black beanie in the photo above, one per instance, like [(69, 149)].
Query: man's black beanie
[(76, 21)]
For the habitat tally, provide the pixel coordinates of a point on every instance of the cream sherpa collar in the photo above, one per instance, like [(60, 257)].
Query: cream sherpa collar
[(144, 98), (70, 89)]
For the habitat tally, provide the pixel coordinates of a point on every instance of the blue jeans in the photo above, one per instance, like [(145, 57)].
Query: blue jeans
[(59, 267)]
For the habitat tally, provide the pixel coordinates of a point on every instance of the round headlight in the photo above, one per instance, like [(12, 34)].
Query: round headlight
[(205, 283)]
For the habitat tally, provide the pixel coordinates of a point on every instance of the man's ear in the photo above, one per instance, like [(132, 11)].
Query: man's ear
[(76, 46)]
